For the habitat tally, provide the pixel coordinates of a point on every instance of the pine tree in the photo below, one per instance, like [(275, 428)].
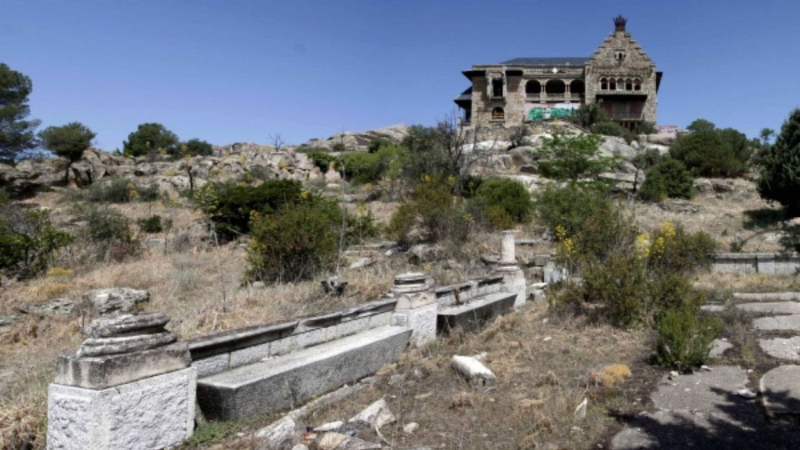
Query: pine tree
[(780, 171)]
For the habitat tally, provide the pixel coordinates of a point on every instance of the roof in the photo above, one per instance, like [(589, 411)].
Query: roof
[(557, 61), (465, 96)]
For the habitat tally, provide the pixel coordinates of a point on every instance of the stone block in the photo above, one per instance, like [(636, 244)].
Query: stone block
[(312, 337), (353, 326), (211, 365), (110, 370), (284, 382), (249, 355), (422, 321), (282, 346), (475, 314), (153, 413), (380, 320)]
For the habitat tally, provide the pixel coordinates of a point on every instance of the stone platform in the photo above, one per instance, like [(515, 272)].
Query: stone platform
[(286, 381)]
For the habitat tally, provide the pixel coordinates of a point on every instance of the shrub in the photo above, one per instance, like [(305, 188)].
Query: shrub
[(672, 249), (588, 115), (339, 147), (619, 284), (151, 224), (195, 147), (295, 243), (684, 340), (708, 151), (150, 139), (229, 206), (780, 167), (574, 158), (323, 161), (667, 179), (614, 129), (567, 206), (121, 190), (109, 233), (510, 195), (517, 135), (361, 167), (29, 241), (432, 206), (376, 143)]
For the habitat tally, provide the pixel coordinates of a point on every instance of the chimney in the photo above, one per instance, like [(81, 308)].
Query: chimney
[(619, 23)]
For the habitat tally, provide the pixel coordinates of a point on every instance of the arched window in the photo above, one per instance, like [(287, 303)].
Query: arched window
[(498, 114), (620, 84), (637, 84), (613, 85), (533, 87), (603, 84), (577, 87), (628, 84), (555, 87)]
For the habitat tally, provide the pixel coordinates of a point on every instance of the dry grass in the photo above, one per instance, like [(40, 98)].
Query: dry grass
[(543, 368), (731, 217), (743, 282)]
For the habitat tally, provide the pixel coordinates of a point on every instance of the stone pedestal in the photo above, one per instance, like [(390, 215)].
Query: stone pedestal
[(129, 387), (416, 306), (513, 276)]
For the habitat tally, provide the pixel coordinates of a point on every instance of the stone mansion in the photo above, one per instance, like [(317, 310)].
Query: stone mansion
[(619, 77)]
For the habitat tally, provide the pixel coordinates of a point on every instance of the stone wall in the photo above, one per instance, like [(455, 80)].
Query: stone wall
[(763, 263)]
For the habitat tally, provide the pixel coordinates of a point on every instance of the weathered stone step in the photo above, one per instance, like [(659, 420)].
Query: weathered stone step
[(767, 296), (779, 323), (781, 391), (279, 383), (782, 348), (475, 314), (770, 307)]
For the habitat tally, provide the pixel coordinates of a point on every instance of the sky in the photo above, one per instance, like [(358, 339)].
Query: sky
[(242, 71)]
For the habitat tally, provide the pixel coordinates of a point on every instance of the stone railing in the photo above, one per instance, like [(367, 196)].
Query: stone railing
[(231, 349), (762, 263)]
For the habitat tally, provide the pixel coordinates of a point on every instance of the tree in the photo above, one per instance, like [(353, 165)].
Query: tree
[(708, 151), (574, 157), (68, 141), (150, 138), (780, 170), (196, 147), (766, 135), (667, 179), (16, 133)]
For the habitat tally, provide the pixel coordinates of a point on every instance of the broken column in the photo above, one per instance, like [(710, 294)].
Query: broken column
[(129, 387), (513, 276), (416, 306)]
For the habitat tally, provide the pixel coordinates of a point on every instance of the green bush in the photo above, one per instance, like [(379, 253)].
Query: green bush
[(672, 249), (567, 207), (195, 147), (121, 190), (667, 179), (295, 243), (588, 115), (684, 340), (619, 284), (152, 224), (323, 161), (511, 195), (574, 158), (28, 240), (780, 167), (361, 167), (613, 129), (376, 143), (432, 207), (230, 206), (150, 139), (708, 151), (106, 224)]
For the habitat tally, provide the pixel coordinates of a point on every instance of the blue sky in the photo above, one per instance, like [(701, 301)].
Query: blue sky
[(231, 71)]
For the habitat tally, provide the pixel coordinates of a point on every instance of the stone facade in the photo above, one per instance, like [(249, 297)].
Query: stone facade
[(619, 77)]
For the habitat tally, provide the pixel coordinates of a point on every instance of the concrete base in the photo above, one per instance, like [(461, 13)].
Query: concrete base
[(152, 413), (475, 314), (422, 322), (280, 383)]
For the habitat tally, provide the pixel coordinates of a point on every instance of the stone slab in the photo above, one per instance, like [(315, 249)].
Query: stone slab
[(280, 383), (475, 314), (712, 308), (782, 348), (770, 307), (779, 323), (422, 322), (767, 296), (701, 391), (719, 347), (106, 371), (152, 413), (780, 390)]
